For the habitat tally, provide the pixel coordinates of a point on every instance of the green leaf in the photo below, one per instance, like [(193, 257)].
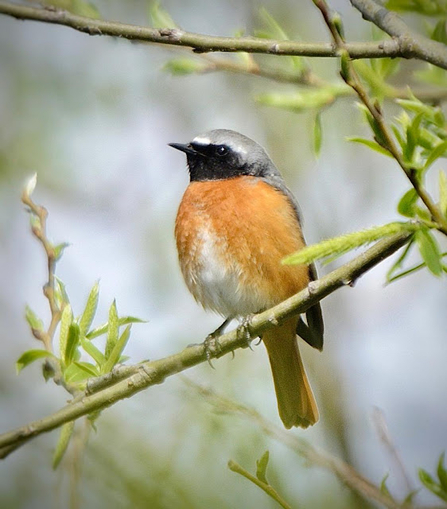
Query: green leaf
[(399, 262), (409, 271), (433, 75), (30, 186), (412, 137), (115, 354), (61, 293), (439, 117), (35, 223), (440, 33), (442, 472), (273, 26), (439, 151), (94, 352), (30, 356), (89, 310), (443, 192), (318, 134), (398, 136), (423, 213), (428, 481), (375, 126), (338, 24), (159, 17), (428, 247), (62, 444), (275, 31), (102, 329), (59, 250), (48, 370), (185, 66), (33, 320), (66, 321), (302, 101), (414, 105), (406, 205), (112, 330), (261, 467), (388, 66), (405, 273), (383, 487), (88, 367), (82, 8), (372, 75), (372, 145), (80, 371), (72, 343), (345, 65), (408, 500)]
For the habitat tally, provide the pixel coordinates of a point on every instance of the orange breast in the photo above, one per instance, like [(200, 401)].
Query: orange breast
[(231, 236)]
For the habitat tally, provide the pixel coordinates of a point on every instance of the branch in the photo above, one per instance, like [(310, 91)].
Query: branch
[(345, 473), (267, 488), (206, 43), (413, 44), (39, 230), (154, 372), (386, 140)]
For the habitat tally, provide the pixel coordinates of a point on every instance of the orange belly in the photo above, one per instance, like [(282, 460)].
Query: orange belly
[(231, 237)]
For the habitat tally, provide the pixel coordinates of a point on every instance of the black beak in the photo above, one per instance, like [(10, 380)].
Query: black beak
[(186, 148)]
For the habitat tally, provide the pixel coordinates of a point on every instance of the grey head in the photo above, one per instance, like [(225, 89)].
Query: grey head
[(222, 154)]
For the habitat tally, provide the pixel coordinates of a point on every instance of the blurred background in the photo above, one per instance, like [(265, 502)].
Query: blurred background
[(93, 117)]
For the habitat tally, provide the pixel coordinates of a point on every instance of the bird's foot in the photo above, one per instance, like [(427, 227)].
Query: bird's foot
[(243, 331), (211, 343), (212, 346)]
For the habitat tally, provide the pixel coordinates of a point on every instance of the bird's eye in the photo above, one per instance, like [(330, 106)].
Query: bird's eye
[(221, 150)]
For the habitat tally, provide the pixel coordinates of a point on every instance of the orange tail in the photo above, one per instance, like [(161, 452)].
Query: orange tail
[(296, 402)]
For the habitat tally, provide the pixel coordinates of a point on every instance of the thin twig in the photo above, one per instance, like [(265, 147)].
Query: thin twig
[(155, 372), (205, 43), (39, 230), (388, 142), (267, 488), (346, 474), (384, 435)]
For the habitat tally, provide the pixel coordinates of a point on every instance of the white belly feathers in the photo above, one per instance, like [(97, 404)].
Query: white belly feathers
[(216, 280)]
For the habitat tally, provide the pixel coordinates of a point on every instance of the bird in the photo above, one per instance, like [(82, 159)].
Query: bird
[(235, 223)]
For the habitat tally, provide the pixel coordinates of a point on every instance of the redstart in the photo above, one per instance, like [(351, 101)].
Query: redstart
[(237, 220)]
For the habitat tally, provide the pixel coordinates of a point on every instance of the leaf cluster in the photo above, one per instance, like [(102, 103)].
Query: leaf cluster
[(75, 340)]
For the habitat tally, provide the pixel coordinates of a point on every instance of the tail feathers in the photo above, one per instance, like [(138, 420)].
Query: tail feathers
[(296, 402)]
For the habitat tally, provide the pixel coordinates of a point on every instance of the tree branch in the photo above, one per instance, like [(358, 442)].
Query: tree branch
[(413, 44), (345, 473), (205, 43), (350, 76), (150, 373)]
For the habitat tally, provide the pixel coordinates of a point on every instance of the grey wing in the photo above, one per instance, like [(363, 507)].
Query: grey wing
[(313, 331)]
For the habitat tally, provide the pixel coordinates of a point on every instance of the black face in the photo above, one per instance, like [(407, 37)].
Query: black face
[(213, 161)]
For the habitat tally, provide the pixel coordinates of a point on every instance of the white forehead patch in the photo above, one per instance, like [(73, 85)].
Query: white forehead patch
[(202, 140)]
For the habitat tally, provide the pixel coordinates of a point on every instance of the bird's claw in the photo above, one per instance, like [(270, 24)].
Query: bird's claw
[(243, 331), (212, 346)]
